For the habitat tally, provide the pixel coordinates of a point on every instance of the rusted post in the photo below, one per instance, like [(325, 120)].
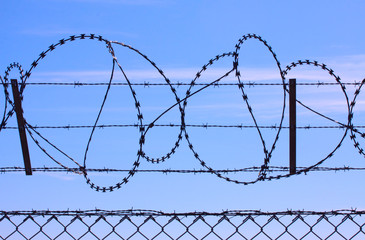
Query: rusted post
[(21, 126), (292, 126)]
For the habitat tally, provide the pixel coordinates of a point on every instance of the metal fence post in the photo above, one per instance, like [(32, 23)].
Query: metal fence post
[(292, 126), (21, 126)]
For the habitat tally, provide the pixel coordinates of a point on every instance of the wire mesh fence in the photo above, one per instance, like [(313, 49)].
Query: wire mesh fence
[(146, 224)]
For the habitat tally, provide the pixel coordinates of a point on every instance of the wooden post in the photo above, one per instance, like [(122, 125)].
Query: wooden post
[(292, 126), (21, 126)]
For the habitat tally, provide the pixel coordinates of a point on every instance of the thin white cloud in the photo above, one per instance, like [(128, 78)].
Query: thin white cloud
[(186, 75), (141, 75), (60, 176), (71, 73), (348, 66)]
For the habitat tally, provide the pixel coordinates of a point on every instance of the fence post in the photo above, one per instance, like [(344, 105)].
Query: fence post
[(292, 126), (21, 126)]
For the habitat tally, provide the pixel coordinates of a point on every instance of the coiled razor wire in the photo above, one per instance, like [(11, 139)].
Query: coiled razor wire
[(150, 224), (182, 103)]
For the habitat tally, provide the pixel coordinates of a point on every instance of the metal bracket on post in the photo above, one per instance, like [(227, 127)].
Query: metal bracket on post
[(292, 126), (21, 126)]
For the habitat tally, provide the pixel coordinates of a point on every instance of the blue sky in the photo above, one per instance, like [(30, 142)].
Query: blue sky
[(182, 36)]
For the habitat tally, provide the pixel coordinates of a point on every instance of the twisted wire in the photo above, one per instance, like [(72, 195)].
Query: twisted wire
[(145, 130), (168, 171), (29, 129), (147, 212), (150, 84), (181, 104), (205, 125), (5, 83), (353, 129)]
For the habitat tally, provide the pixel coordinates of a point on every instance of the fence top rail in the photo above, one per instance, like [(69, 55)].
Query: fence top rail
[(142, 212)]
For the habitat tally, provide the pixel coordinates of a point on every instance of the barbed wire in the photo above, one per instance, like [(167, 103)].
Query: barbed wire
[(145, 212), (181, 104), (240, 126), (148, 84), (168, 171)]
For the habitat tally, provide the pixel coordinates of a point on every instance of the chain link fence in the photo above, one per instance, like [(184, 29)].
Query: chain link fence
[(145, 224)]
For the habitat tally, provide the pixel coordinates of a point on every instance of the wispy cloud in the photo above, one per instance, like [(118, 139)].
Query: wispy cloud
[(140, 75), (187, 75), (60, 176), (177, 74), (350, 67)]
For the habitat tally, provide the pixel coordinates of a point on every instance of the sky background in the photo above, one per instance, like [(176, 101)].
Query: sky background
[(180, 37)]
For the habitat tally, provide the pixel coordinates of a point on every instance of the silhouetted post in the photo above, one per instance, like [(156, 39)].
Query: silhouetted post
[(292, 126), (21, 127)]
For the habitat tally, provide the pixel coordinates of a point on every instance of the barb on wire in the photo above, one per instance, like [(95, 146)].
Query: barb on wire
[(168, 171), (240, 126), (150, 84), (145, 212)]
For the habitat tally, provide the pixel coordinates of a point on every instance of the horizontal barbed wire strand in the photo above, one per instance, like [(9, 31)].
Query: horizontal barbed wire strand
[(146, 212), (147, 84), (241, 126), (166, 171)]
